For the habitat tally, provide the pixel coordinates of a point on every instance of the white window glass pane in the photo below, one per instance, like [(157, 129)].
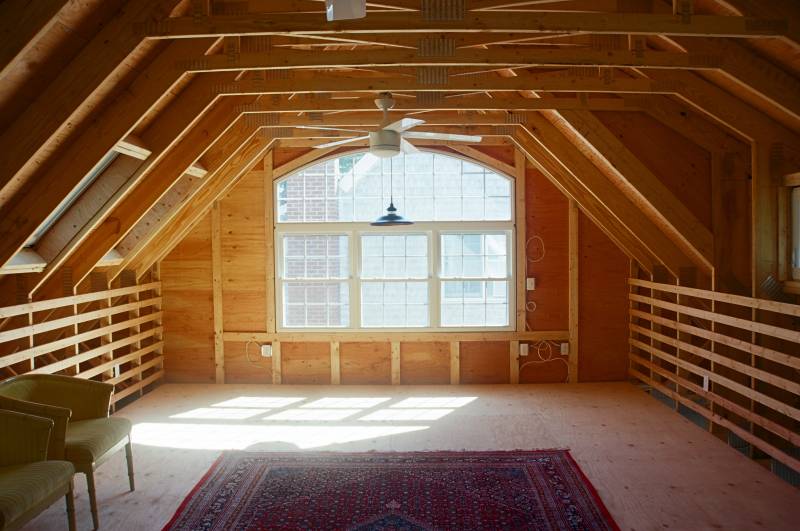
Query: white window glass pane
[(417, 267), (419, 209), (419, 163), (417, 245), (451, 244), (496, 244), (496, 266), (372, 315), (452, 266), (372, 267), (496, 315), (452, 314), (448, 208), (474, 314), (473, 266), (386, 304), (394, 267), (446, 165), (473, 291), (469, 167), (497, 291), (315, 304), (394, 245), (472, 185), (453, 291), (473, 244), (315, 210), (498, 209), (497, 186), (419, 185), (472, 207), (372, 245), (417, 292), (315, 256)]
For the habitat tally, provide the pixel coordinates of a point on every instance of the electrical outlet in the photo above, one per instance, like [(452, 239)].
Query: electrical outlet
[(266, 351), (524, 349), (564, 349), (530, 283), (705, 383)]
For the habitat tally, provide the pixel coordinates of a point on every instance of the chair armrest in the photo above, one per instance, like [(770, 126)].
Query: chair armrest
[(24, 438), (58, 417)]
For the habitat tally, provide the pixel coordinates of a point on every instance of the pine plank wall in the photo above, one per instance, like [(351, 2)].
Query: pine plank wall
[(603, 272)]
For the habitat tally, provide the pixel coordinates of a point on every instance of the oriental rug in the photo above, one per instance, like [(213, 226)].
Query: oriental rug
[(541, 489)]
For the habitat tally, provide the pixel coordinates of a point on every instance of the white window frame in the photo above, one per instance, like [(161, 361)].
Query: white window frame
[(433, 231)]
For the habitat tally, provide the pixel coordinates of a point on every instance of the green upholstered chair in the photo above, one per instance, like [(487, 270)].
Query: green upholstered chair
[(83, 432), (29, 483)]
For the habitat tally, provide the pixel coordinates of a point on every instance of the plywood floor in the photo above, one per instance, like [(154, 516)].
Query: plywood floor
[(653, 469)]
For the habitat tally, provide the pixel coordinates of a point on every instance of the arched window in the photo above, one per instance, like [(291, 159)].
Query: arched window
[(451, 269)]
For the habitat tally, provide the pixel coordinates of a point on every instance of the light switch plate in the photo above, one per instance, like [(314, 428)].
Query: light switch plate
[(266, 351), (530, 283)]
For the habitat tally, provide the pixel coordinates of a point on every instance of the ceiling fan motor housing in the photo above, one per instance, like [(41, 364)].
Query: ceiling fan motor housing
[(384, 143)]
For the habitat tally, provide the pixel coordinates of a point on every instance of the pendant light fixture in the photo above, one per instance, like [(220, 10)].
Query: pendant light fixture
[(391, 217)]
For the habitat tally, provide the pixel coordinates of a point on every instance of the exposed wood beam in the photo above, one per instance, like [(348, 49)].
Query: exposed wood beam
[(25, 261), (461, 103), (168, 235), (132, 146), (196, 170), (150, 188), (638, 182), (596, 184), (566, 182), (563, 82), (21, 21), (487, 21), (509, 56), (73, 88), (222, 152), (53, 182)]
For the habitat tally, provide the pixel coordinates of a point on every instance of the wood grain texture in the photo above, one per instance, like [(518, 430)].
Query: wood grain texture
[(602, 321), (425, 363), (306, 363), (366, 363), (484, 362)]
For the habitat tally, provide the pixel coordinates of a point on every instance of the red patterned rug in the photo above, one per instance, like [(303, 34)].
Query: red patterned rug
[(542, 490)]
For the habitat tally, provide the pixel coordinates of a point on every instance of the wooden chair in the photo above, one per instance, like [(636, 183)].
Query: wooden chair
[(29, 483), (83, 432)]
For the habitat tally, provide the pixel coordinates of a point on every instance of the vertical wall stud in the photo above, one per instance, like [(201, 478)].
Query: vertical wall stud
[(455, 362), (216, 283), (336, 371), (513, 358), (574, 258), (276, 362), (395, 363)]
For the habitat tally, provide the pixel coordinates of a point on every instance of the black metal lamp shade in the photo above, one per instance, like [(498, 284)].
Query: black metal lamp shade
[(391, 218)]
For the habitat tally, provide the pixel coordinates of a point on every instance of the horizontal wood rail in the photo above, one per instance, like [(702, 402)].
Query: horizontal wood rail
[(733, 360), (549, 335), (112, 335)]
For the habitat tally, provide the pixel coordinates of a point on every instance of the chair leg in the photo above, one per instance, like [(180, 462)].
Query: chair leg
[(70, 497), (129, 457), (92, 498)]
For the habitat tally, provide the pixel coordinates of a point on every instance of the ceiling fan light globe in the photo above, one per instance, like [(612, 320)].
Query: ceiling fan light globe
[(384, 143)]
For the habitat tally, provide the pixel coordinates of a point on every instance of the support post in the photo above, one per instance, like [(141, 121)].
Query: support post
[(574, 258), (216, 283)]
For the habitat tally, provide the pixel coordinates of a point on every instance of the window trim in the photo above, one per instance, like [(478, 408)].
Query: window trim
[(353, 232)]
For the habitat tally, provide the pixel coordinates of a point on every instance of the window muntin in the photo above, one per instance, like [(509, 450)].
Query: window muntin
[(426, 187), (314, 276), (438, 274)]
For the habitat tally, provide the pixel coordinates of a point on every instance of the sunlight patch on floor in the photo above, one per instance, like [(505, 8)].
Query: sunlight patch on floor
[(220, 413)]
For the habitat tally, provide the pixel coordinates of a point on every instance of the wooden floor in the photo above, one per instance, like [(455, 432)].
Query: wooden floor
[(653, 469)]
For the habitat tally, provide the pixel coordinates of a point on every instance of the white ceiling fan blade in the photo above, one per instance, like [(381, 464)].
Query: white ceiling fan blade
[(341, 142), (404, 124), (361, 167), (407, 147), (345, 9), (443, 136), (323, 128)]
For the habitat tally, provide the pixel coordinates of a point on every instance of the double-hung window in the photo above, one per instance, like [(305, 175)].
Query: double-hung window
[(451, 270)]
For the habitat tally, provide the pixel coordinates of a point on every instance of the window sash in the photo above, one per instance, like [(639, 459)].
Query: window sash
[(434, 280)]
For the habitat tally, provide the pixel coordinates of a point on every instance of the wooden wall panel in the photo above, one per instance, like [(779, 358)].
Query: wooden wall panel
[(306, 363), (366, 363), (534, 370), (243, 256), (683, 166), (484, 362), (546, 216), (188, 308), (246, 366), (603, 309), (425, 363)]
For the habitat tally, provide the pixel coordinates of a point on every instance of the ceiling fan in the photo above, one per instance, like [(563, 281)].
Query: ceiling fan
[(389, 138), (345, 9)]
